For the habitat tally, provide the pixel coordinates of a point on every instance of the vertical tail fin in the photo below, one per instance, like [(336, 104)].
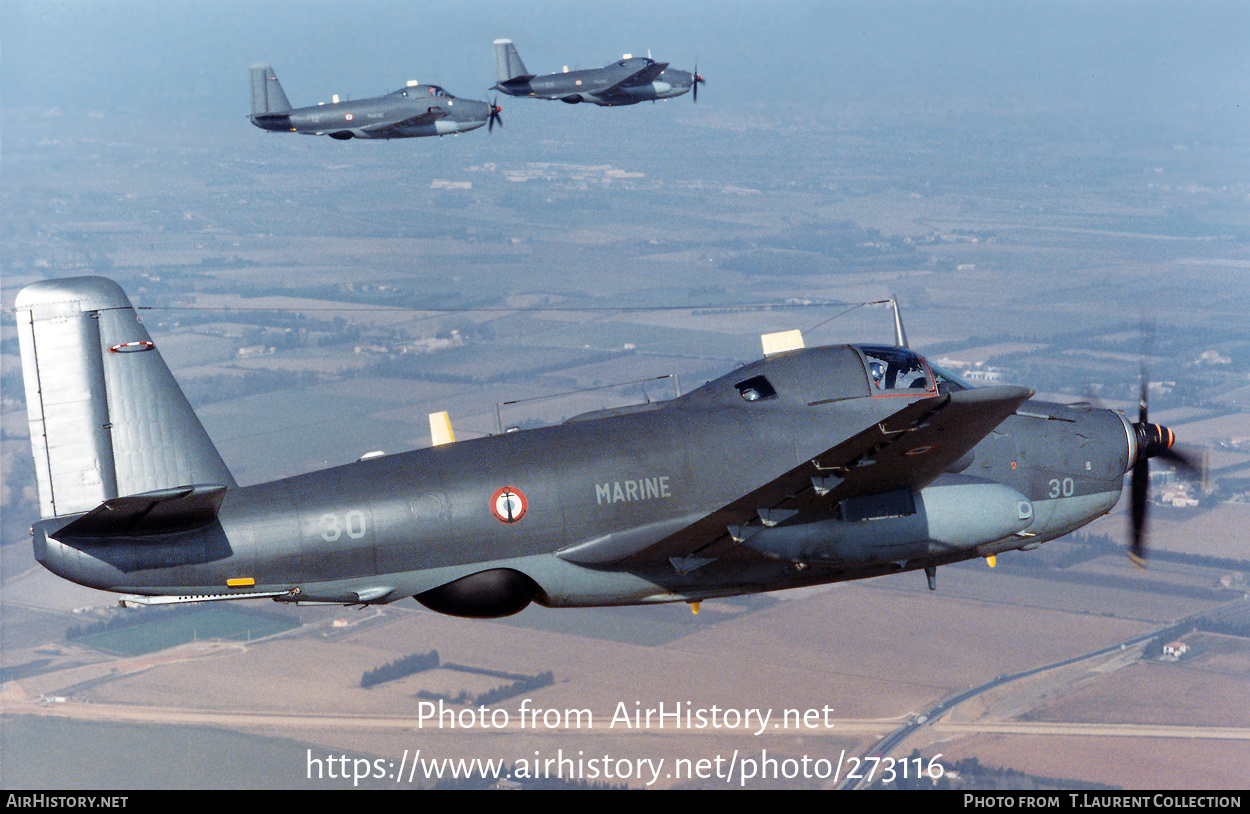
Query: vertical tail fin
[(508, 64), (107, 418), (267, 93)]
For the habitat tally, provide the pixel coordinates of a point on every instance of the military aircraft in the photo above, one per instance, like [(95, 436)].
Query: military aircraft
[(807, 466), (627, 82), (413, 110)]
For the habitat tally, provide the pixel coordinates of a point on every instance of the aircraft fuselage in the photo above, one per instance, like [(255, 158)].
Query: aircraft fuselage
[(599, 87), (407, 113), (570, 506)]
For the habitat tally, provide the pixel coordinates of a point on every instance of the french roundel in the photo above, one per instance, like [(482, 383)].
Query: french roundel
[(508, 505), (137, 346)]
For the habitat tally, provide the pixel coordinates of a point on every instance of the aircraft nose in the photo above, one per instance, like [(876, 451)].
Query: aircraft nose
[(1154, 441), (695, 82)]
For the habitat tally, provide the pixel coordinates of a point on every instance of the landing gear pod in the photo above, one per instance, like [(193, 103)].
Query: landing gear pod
[(484, 595)]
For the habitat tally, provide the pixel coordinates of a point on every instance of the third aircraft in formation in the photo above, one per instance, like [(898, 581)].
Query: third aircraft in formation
[(428, 110), (627, 82)]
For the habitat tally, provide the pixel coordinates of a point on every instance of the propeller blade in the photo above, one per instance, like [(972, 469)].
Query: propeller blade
[(695, 83), (1153, 441), (1183, 460), (495, 110), (1139, 484), (1139, 491)]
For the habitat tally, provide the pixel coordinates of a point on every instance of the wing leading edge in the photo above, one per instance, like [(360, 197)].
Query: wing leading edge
[(646, 76), (429, 117), (909, 449)]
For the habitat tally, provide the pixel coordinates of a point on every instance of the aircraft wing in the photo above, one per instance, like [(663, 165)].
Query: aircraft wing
[(642, 77), (906, 450), (429, 117)]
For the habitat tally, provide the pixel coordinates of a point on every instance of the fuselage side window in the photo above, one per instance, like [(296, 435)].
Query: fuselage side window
[(756, 388)]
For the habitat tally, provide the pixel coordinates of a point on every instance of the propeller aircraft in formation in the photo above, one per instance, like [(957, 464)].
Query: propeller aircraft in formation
[(807, 466), (626, 82), (412, 111)]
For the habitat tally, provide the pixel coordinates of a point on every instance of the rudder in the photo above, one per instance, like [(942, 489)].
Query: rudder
[(106, 417)]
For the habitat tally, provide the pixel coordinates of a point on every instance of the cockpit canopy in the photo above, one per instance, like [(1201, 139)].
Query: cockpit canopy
[(812, 377), (893, 369), (419, 91), (823, 375)]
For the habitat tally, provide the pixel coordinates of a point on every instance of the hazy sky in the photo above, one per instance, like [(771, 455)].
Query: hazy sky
[(183, 56)]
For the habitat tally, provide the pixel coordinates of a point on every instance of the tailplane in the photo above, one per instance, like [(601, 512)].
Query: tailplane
[(107, 418), (508, 64), (267, 93)]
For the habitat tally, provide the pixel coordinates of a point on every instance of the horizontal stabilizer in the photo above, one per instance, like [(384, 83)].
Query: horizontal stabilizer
[(162, 512), (277, 122)]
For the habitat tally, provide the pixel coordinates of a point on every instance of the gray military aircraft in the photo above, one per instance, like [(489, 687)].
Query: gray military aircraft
[(627, 82), (412, 111), (808, 466)]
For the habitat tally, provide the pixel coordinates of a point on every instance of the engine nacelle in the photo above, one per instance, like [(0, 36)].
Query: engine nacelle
[(956, 513), (484, 595)]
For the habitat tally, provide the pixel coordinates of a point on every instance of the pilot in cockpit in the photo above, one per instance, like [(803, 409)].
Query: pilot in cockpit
[(896, 369)]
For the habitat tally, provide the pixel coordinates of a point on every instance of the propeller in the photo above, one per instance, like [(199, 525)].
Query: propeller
[(495, 110), (1153, 441), (695, 83)]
